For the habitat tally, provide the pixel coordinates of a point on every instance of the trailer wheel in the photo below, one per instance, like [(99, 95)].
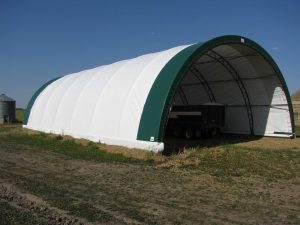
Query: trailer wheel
[(189, 133), (198, 133), (178, 131), (213, 133)]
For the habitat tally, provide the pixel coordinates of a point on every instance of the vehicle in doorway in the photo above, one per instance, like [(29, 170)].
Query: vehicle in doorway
[(196, 121)]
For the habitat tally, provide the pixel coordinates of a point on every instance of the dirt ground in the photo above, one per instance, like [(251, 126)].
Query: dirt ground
[(39, 186)]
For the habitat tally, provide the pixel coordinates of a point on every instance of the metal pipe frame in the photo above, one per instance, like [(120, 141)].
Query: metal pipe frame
[(274, 106), (229, 58), (219, 58), (204, 83), (183, 96), (231, 80)]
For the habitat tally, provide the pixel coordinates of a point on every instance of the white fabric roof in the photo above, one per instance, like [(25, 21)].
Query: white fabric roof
[(106, 104), (102, 104)]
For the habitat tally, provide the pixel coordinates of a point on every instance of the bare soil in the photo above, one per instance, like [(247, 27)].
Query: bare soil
[(39, 186)]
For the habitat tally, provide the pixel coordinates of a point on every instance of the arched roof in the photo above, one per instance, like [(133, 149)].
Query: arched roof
[(163, 91), (127, 102)]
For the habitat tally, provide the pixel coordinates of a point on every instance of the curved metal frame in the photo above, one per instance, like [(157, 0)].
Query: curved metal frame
[(239, 81), (157, 106), (183, 96), (204, 83)]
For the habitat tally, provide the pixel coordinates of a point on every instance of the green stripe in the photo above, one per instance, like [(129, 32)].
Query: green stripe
[(33, 98), (159, 100)]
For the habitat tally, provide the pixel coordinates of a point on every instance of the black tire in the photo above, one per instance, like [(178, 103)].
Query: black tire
[(178, 131), (213, 133), (205, 133), (198, 133), (189, 133)]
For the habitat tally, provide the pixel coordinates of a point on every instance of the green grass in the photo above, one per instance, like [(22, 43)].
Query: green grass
[(231, 179), (20, 114), (236, 161), (6, 129), (57, 194), (92, 151), (224, 161), (10, 215)]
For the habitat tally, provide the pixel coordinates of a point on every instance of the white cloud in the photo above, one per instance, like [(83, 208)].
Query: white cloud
[(275, 48)]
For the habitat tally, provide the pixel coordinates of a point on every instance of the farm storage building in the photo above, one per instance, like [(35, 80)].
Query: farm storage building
[(128, 102), (7, 109)]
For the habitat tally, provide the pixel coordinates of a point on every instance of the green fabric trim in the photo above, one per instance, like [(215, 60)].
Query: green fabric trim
[(33, 98), (154, 116)]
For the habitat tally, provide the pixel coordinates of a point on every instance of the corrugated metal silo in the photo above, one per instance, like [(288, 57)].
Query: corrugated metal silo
[(7, 109)]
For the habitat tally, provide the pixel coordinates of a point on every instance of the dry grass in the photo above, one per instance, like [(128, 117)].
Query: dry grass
[(50, 179), (296, 95), (272, 143)]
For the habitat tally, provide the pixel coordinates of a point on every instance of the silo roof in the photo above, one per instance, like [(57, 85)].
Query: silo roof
[(4, 98)]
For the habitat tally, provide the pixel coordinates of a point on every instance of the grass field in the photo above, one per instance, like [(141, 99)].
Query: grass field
[(47, 179), (20, 114)]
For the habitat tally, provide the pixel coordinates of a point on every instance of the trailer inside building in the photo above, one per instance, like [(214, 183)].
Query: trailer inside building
[(130, 102)]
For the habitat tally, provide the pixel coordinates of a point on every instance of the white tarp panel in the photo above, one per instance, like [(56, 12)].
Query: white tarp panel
[(105, 104), (102, 104)]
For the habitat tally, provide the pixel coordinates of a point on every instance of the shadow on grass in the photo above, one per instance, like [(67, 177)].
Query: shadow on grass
[(176, 145)]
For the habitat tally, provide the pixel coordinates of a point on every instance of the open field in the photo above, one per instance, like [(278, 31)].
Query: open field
[(47, 179), (20, 114)]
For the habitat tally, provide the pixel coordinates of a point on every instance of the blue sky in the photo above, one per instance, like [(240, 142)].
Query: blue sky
[(44, 39)]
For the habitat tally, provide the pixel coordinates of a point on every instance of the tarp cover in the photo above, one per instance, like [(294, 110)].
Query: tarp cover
[(106, 104)]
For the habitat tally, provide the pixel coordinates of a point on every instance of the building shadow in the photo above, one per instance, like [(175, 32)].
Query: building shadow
[(176, 145)]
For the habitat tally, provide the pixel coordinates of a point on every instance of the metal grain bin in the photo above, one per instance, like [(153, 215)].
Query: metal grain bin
[(7, 109)]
